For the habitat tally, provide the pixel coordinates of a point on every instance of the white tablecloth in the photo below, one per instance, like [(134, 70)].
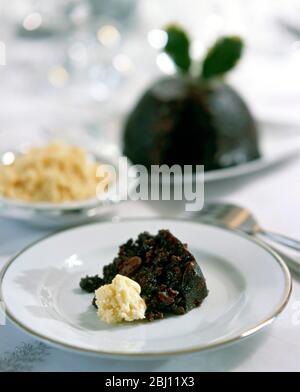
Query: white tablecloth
[(274, 196)]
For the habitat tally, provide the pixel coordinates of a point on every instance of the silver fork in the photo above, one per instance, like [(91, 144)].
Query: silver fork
[(239, 218)]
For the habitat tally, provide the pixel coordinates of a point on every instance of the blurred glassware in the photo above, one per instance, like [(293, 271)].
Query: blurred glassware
[(87, 60), (63, 53)]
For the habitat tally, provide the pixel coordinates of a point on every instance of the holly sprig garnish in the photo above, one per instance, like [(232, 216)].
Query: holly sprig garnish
[(178, 47), (219, 59)]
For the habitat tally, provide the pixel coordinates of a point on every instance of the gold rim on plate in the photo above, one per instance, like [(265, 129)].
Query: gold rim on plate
[(249, 331)]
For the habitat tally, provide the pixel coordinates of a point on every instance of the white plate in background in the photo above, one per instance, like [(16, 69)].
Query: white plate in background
[(54, 215), (278, 143)]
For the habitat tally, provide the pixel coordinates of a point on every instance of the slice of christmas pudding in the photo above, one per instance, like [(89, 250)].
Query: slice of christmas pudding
[(171, 281)]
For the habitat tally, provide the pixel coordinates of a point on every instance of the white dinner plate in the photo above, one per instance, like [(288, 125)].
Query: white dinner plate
[(249, 285)]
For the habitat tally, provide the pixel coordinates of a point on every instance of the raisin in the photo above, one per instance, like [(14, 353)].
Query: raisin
[(128, 267), (171, 281)]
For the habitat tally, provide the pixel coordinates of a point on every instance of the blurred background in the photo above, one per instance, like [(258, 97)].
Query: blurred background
[(79, 65)]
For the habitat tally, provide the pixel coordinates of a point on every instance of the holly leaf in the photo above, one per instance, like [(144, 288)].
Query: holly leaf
[(222, 57), (178, 46)]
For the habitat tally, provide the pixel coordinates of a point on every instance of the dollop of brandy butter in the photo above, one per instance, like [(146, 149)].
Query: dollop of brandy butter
[(120, 301)]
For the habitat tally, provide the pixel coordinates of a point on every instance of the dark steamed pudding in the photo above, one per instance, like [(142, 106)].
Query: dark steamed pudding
[(171, 280), (180, 120)]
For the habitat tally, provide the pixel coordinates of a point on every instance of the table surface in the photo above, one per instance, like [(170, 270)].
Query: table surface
[(273, 195)]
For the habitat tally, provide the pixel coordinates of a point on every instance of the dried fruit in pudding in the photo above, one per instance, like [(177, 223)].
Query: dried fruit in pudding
[(171, 281)]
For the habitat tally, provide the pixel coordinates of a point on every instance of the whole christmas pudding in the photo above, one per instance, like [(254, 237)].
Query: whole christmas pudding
[(187, 119)]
